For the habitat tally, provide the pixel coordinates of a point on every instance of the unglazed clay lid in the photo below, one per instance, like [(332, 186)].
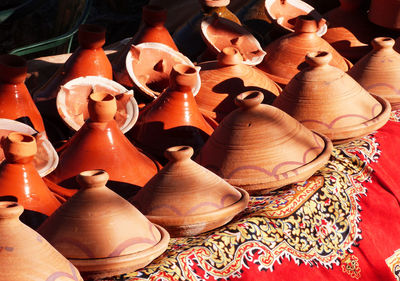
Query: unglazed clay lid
[(46, 158), (219, 33), (149, 65), (188, 199), (285, 55), (327, 100), (72, 101), (25, 255), (379, 71), (284, 13), (224, 79), (259, 147), (101, 233)]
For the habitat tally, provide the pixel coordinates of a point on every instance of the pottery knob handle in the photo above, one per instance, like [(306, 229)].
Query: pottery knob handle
[(229, 56), (12, 69), (92, 178), (382, 43), (102, 107), (318, 58), (19, 147), (215, 3), (178, 153), (154, 15), (249, 99), (10, 210), (91, 36), (306, 24), (183, 77)]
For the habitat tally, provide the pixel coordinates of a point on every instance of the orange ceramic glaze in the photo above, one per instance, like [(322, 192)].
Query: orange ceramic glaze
[(173, 118), (285, 56), (19, 178), (25, 255), (88, 60), (385, 13), (15, 100), (218, 7), (100, 144), (224, 79)]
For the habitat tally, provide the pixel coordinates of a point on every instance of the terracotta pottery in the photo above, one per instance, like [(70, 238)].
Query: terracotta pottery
[(327, 100), (101, 233), (219, 33), (349, 30), (149, 66), (224, 79), (218, 7), (379, 71), (72, 101), (186, 198), (99, 144), (88, 60), (15, 100), (385, 13), (20, 180), (25, 254), (283, 13), (285, 56), (260, 148), (173, 118), (46, 158)]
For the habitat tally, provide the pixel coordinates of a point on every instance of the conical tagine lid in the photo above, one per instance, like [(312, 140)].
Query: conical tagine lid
[(224, 79), (329, 101), (259, 147), (379, 71), (101, 233), (25, 255), (188, 199), (285, 56), (100, 144)]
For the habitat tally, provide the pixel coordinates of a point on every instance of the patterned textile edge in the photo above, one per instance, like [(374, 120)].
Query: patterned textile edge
[(320, 231)]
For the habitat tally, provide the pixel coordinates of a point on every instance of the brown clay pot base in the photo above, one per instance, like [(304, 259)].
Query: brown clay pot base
[(190, 225), (106, 267), (219, 33)]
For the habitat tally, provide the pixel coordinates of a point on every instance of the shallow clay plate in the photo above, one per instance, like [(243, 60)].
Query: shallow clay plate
[(46, 159), (72, 101), (149, 66), (219, 33), (284, 13)]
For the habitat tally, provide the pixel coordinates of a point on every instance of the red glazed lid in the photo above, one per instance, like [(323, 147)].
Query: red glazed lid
[(186, 198), (12, 69), (154, 15), (329, 101), (91, 36), (113, 239), (260, 148)]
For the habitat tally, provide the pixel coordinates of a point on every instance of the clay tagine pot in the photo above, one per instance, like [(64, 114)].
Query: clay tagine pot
[(25, 254), (283, 14), (15, 100), (379, 71), (72, 101), (385, 13), (88, 60), (349, 30), (20, 181), (100, 144), (285, 56), (149, 66), (327, 100), (219, 8), (46, 158), (224, 79), (173, 118), (219, 33), (261, 148), (186, 198), (101, 233)]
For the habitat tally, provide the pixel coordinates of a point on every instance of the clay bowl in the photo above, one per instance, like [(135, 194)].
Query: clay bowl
[(72, 101), (149, 66), (46, 159), (284, 13), (261, 148), (219, 33)]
